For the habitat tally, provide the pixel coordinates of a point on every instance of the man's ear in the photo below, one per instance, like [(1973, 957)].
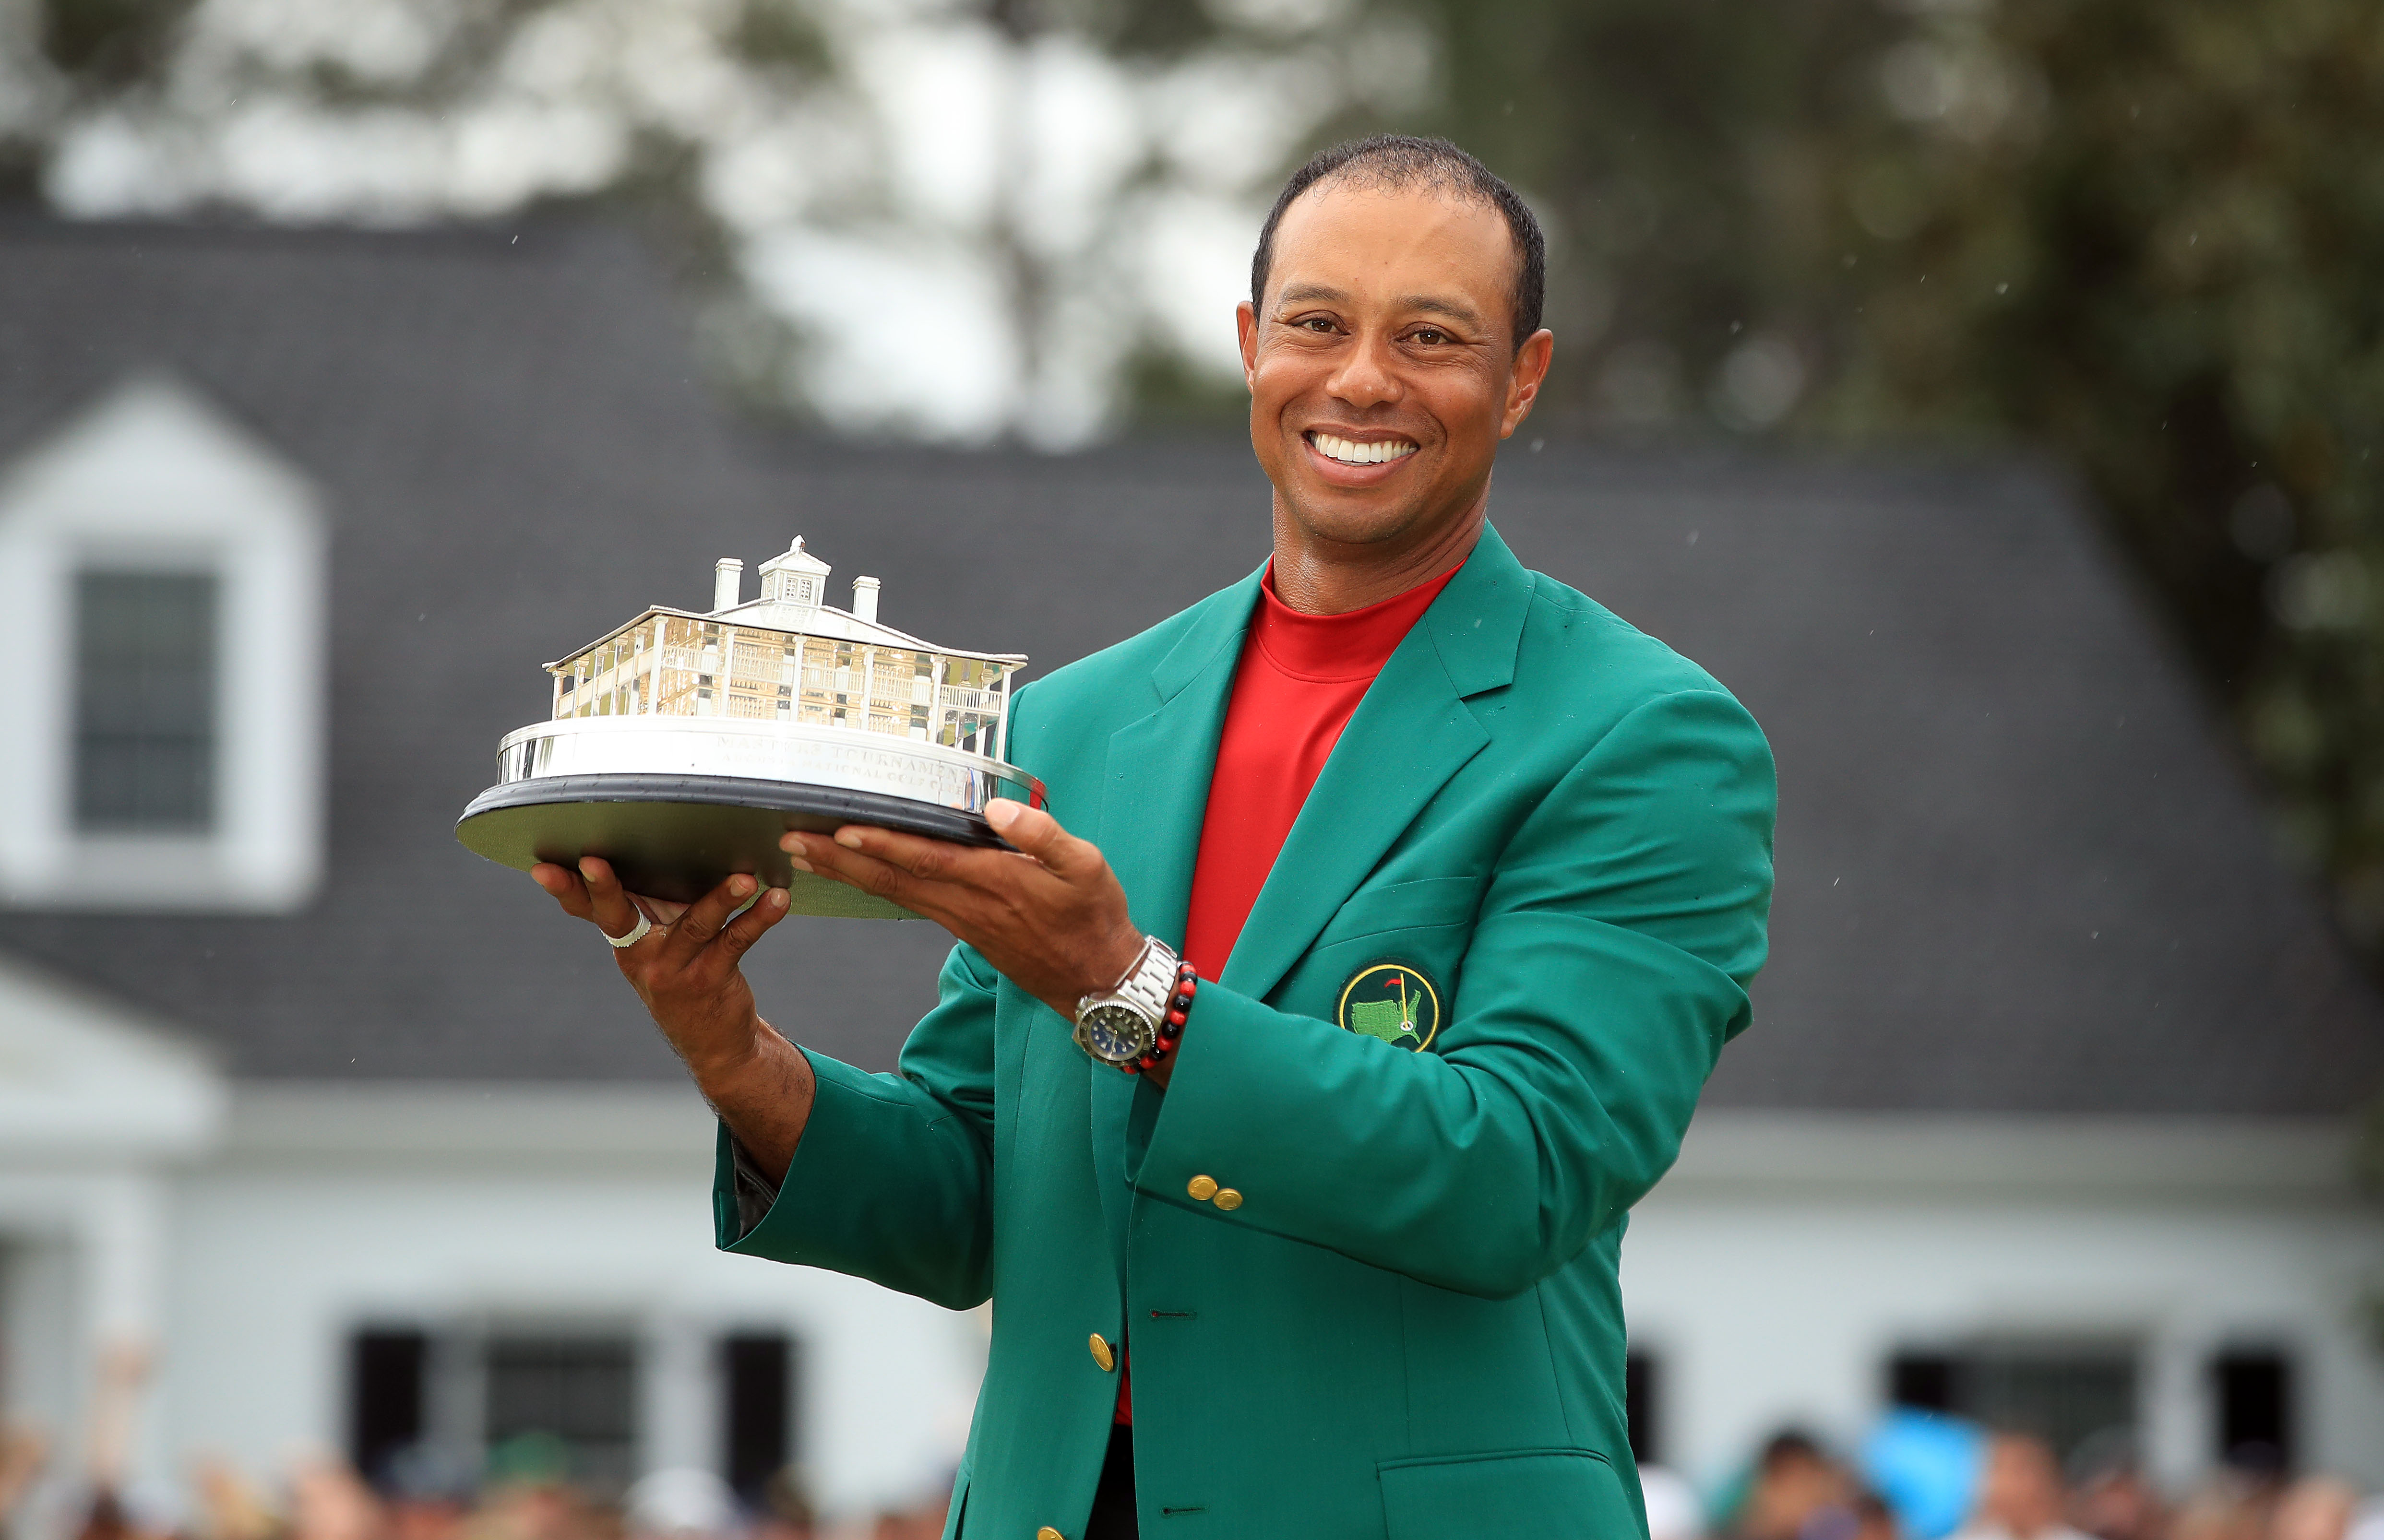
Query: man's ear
[(1523, 384), (1246, 322)]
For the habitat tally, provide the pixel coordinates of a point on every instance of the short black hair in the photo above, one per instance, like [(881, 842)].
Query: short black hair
[(1397, 161), (1790, 1445)]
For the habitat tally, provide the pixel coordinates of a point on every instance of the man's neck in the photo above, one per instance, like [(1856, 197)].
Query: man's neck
[(1318, 576)]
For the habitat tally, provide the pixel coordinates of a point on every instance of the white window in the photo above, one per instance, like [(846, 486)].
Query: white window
[(161, 576)]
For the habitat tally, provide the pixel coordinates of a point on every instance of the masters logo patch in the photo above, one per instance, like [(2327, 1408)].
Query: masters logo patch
[(1395, 1001)]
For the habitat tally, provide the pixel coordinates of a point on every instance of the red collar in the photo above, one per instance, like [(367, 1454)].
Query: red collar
[(1324, 648)]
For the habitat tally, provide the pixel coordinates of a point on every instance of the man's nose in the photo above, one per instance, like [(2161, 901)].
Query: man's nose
[(1368, 375)]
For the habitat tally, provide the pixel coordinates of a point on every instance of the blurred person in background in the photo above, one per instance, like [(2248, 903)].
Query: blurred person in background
[(329, 1501), (2021, 1494), (121, 1375), (787, 1509), (2117, 1503), (921, 1521), (24, 1452), (2110, 1497), (682, 1504), (1431, 764), (229, 1505), (429, 1495), (2314, 1508), (1873, 1518), (1797, 1491), (526, 1495), (2232, 1505)]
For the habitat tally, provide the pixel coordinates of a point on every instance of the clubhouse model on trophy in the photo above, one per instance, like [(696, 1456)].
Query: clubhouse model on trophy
[(684, 744)]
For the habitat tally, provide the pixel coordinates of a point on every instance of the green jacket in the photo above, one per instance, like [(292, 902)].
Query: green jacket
[(1410, 1324)]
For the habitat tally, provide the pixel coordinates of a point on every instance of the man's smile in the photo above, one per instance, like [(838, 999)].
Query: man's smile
[(1357, 452)]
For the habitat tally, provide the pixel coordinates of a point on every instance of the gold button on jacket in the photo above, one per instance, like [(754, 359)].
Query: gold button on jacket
[(1203, 1188), (1048, 1532), (1102, 1354), (1227, 1199)]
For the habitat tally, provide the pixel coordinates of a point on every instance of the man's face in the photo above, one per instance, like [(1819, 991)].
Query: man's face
[(1381, 370)]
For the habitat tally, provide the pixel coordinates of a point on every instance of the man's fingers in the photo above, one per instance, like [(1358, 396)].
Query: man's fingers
[(930, 860), (746, 928), (857, 868), (609, 906), (564, 886), (1039, 835), (705, 917), (661, 912)]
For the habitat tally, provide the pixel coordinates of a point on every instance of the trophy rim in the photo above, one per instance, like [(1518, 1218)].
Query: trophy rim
[(837, 804), (825, 734), (732, 753)]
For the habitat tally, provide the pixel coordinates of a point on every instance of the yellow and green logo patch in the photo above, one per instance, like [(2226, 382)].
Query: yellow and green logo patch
[(1395, 1001)]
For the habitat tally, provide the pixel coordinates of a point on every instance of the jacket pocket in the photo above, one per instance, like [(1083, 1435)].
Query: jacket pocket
[(1418, 905), (1570, 1493)]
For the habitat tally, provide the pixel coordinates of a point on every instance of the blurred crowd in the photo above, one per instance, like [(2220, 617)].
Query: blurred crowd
[(2007, 1486), (1927, 1480), (525, 1494), (524, 1490)]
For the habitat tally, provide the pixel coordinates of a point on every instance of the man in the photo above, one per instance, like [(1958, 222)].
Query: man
[(1318, 1238)]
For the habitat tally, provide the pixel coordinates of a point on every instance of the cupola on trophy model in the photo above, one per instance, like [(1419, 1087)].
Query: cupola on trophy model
[(684, 744)]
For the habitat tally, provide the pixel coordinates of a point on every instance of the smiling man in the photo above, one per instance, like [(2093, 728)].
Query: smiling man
[(1291, 1083)]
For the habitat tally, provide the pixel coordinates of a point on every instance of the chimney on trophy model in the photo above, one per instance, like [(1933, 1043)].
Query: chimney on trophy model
[(728, 577), (865, 598)]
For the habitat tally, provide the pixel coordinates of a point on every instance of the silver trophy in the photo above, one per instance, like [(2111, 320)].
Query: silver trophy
[(684, 744)]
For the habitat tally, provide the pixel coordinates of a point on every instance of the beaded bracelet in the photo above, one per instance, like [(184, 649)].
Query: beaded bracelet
[(1170, 1027)]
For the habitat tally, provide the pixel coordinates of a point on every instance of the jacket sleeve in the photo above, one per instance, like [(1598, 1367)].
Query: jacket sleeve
[(1609, 965), (893, 1178)]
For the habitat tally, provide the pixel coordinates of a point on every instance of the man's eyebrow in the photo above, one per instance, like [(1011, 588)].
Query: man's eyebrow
[(1302, 293), (1455, 310), (1307, 293)]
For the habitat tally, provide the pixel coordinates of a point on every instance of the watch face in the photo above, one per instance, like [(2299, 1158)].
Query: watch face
[(1115, 1033)]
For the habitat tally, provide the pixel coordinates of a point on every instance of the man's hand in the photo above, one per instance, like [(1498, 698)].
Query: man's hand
[(686, 970), (1050, 915)]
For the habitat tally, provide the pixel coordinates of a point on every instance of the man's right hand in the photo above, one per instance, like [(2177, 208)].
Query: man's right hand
[(686, 970)]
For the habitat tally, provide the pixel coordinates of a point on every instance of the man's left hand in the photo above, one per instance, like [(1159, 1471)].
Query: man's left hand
[(1050, 915)]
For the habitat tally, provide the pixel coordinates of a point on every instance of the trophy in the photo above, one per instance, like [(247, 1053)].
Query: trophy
[(684, 744)]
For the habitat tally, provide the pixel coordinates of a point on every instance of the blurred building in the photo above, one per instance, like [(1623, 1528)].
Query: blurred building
[(2046, 1115)]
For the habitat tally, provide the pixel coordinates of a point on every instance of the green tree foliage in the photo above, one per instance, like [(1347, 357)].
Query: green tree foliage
[(2144, 235), (2158, 253), (1686, 157)]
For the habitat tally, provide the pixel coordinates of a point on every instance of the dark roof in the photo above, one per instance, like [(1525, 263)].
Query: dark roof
[(2018, 869)]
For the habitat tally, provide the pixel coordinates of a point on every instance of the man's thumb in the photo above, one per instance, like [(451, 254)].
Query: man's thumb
[(1030, 829)]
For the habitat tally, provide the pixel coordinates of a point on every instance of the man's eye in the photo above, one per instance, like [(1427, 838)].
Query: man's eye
[(1317, 323), (1430, 338)]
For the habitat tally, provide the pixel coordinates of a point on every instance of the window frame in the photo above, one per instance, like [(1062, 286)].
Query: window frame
[(203, 639), (153, 479)]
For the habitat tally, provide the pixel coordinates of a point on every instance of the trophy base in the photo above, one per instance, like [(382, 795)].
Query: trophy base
[(678, 837)]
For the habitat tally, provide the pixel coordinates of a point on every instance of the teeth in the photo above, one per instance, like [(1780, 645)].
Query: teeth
[(1351, 452)]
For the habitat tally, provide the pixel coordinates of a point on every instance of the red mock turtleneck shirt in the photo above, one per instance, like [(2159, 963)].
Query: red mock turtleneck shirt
[(1300, 680)]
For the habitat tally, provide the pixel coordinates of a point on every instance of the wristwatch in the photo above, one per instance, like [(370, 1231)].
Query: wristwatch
[(1121, 1026)]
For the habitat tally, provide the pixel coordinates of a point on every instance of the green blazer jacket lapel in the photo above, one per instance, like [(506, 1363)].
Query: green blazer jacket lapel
[(1408, 735), (1156, 795)]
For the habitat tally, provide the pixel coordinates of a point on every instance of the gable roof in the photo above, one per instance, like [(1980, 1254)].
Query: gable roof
[(2018, 870)]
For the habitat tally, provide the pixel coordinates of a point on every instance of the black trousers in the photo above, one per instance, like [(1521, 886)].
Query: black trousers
[(1113, 1517)]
